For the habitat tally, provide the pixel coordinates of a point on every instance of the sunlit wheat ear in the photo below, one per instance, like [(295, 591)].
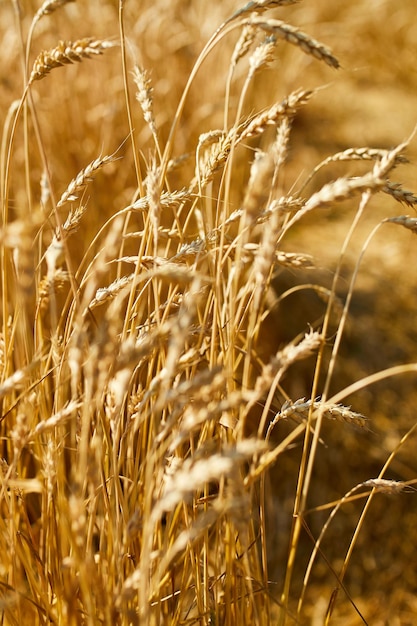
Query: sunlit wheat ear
[(262, 56), (274, 114), (19, 237), (389, 160), (296, 37), (20, 433), (342, 189), (384, 485), (85, 176), (144, 96), (182, 479), (295, 260), (300, 409), (215, 159), (279, 364), (167, 200), (53, 283), (243, 44), (67, 52), (55, 420), (259, 6), (48, 7), (259, 184), (353, 154)]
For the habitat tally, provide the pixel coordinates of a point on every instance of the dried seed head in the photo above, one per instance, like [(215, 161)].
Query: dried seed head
[(52, 284), (67, 52), (401, 195), (244, 44), (300, 411), (272, 116), (104, 294), (258, 189), (383, 485), (342, 189), (263, 55), (406, 221), (45, 190), (86, 175), (297, 38), (295, 260), (259, 6), (49, 6), (144, 96)]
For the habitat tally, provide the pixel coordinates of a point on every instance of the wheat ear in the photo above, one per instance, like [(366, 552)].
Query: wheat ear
[(296, 37), (67, 52)]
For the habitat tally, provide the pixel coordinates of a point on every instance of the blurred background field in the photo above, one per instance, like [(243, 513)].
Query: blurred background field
[(370, 101)]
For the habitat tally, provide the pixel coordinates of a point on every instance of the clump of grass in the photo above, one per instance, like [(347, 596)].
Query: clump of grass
[(139, 410)]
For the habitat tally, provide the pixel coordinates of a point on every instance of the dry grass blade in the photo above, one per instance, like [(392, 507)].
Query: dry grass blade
[(296, 37), (67, 52)]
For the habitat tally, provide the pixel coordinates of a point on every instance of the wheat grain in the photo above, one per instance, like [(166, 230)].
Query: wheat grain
[(262, 56), (295, 260), (85, 176), (216, 158), (104, 294), (401, 195), (243, 44), (257, 191), (300, 410), (144, 96), (404, 220), (259, 6), (54, 282), (67, 52), (342, 189), (181, 481), (280, 363), (56, 420), (383, 485), (273, 115), (296, 37), (167, 199), (48, 7)]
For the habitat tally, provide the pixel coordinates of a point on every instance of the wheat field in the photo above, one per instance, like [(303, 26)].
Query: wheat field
[(207, 342)]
